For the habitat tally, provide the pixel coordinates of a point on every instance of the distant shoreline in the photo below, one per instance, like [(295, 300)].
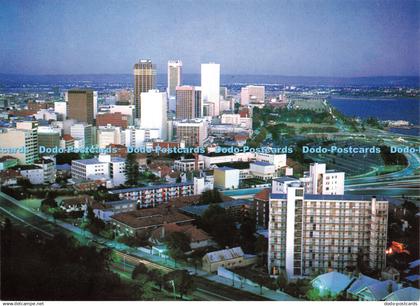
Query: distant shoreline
[(378, 98)]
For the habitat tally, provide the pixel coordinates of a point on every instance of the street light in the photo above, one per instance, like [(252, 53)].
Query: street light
[(173, 287)]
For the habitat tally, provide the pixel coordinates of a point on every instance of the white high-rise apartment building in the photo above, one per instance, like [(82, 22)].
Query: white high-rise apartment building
[(252, 94), (154, 111), (210, 86), (319, 180), (174, 76), (311, 233)]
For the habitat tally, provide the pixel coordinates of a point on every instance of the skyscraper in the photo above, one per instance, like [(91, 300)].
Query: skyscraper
[(154, 111), (210, 85), (174, 76), (144, 80), (81, 105), (188, 102)]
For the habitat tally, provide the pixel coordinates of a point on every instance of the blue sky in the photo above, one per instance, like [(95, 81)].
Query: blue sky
[(296, 38)]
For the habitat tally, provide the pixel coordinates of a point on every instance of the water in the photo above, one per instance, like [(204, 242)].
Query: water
[(407, 109)]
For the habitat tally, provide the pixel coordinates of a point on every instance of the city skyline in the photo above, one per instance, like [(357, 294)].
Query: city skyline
[(286, 38)]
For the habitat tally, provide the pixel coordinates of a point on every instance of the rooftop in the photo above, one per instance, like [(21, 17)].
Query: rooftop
[(225, 168), (331, 197), (151, 217), (198, 210), (334, 282), (263, 195), (262, 163), (225, 254), (404, 294), (136, 189), (285, 179)]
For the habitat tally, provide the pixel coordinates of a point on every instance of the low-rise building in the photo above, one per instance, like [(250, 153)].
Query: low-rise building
[(103, 167), (332, 283), (47, 164), (227, 258), (154, 195), (226, 178), (262, 170), (186, 165), (79, 203), (236, 208), (104, 211), (139, 221), (35, 174), (198, 238)]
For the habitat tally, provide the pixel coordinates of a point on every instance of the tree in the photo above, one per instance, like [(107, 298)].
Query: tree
[(220, 225), (49, 202), (131, 169), (184, 282), (282, 281), (247, 231), (211, 196), (157, 277), (95, 224), (261, 248), (178, 243), (139, 270)]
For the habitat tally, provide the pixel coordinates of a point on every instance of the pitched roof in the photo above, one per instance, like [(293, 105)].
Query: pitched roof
[(263, 195), (334, 282), (414, 264), (195, 234), (361, 282), (381, 289), (404, 294), (151, 217), (226, 254)]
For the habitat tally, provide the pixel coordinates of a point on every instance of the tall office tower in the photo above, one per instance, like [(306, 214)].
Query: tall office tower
[(154, 111), (174, 76), (144, 80), (32, 128), (95, 104), (252, 94), (210, 85), (81, 105), (188, 102), (318, 233), (83, 134), (49, 137), (192, 132)]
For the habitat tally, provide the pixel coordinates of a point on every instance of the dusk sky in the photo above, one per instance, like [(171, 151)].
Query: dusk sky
[(294, 38)]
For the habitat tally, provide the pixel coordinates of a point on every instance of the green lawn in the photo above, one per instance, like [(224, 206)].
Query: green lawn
[(31, 203)]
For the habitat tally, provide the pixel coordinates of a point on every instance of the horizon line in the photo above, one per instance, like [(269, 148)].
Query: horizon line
[(225, 74)]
